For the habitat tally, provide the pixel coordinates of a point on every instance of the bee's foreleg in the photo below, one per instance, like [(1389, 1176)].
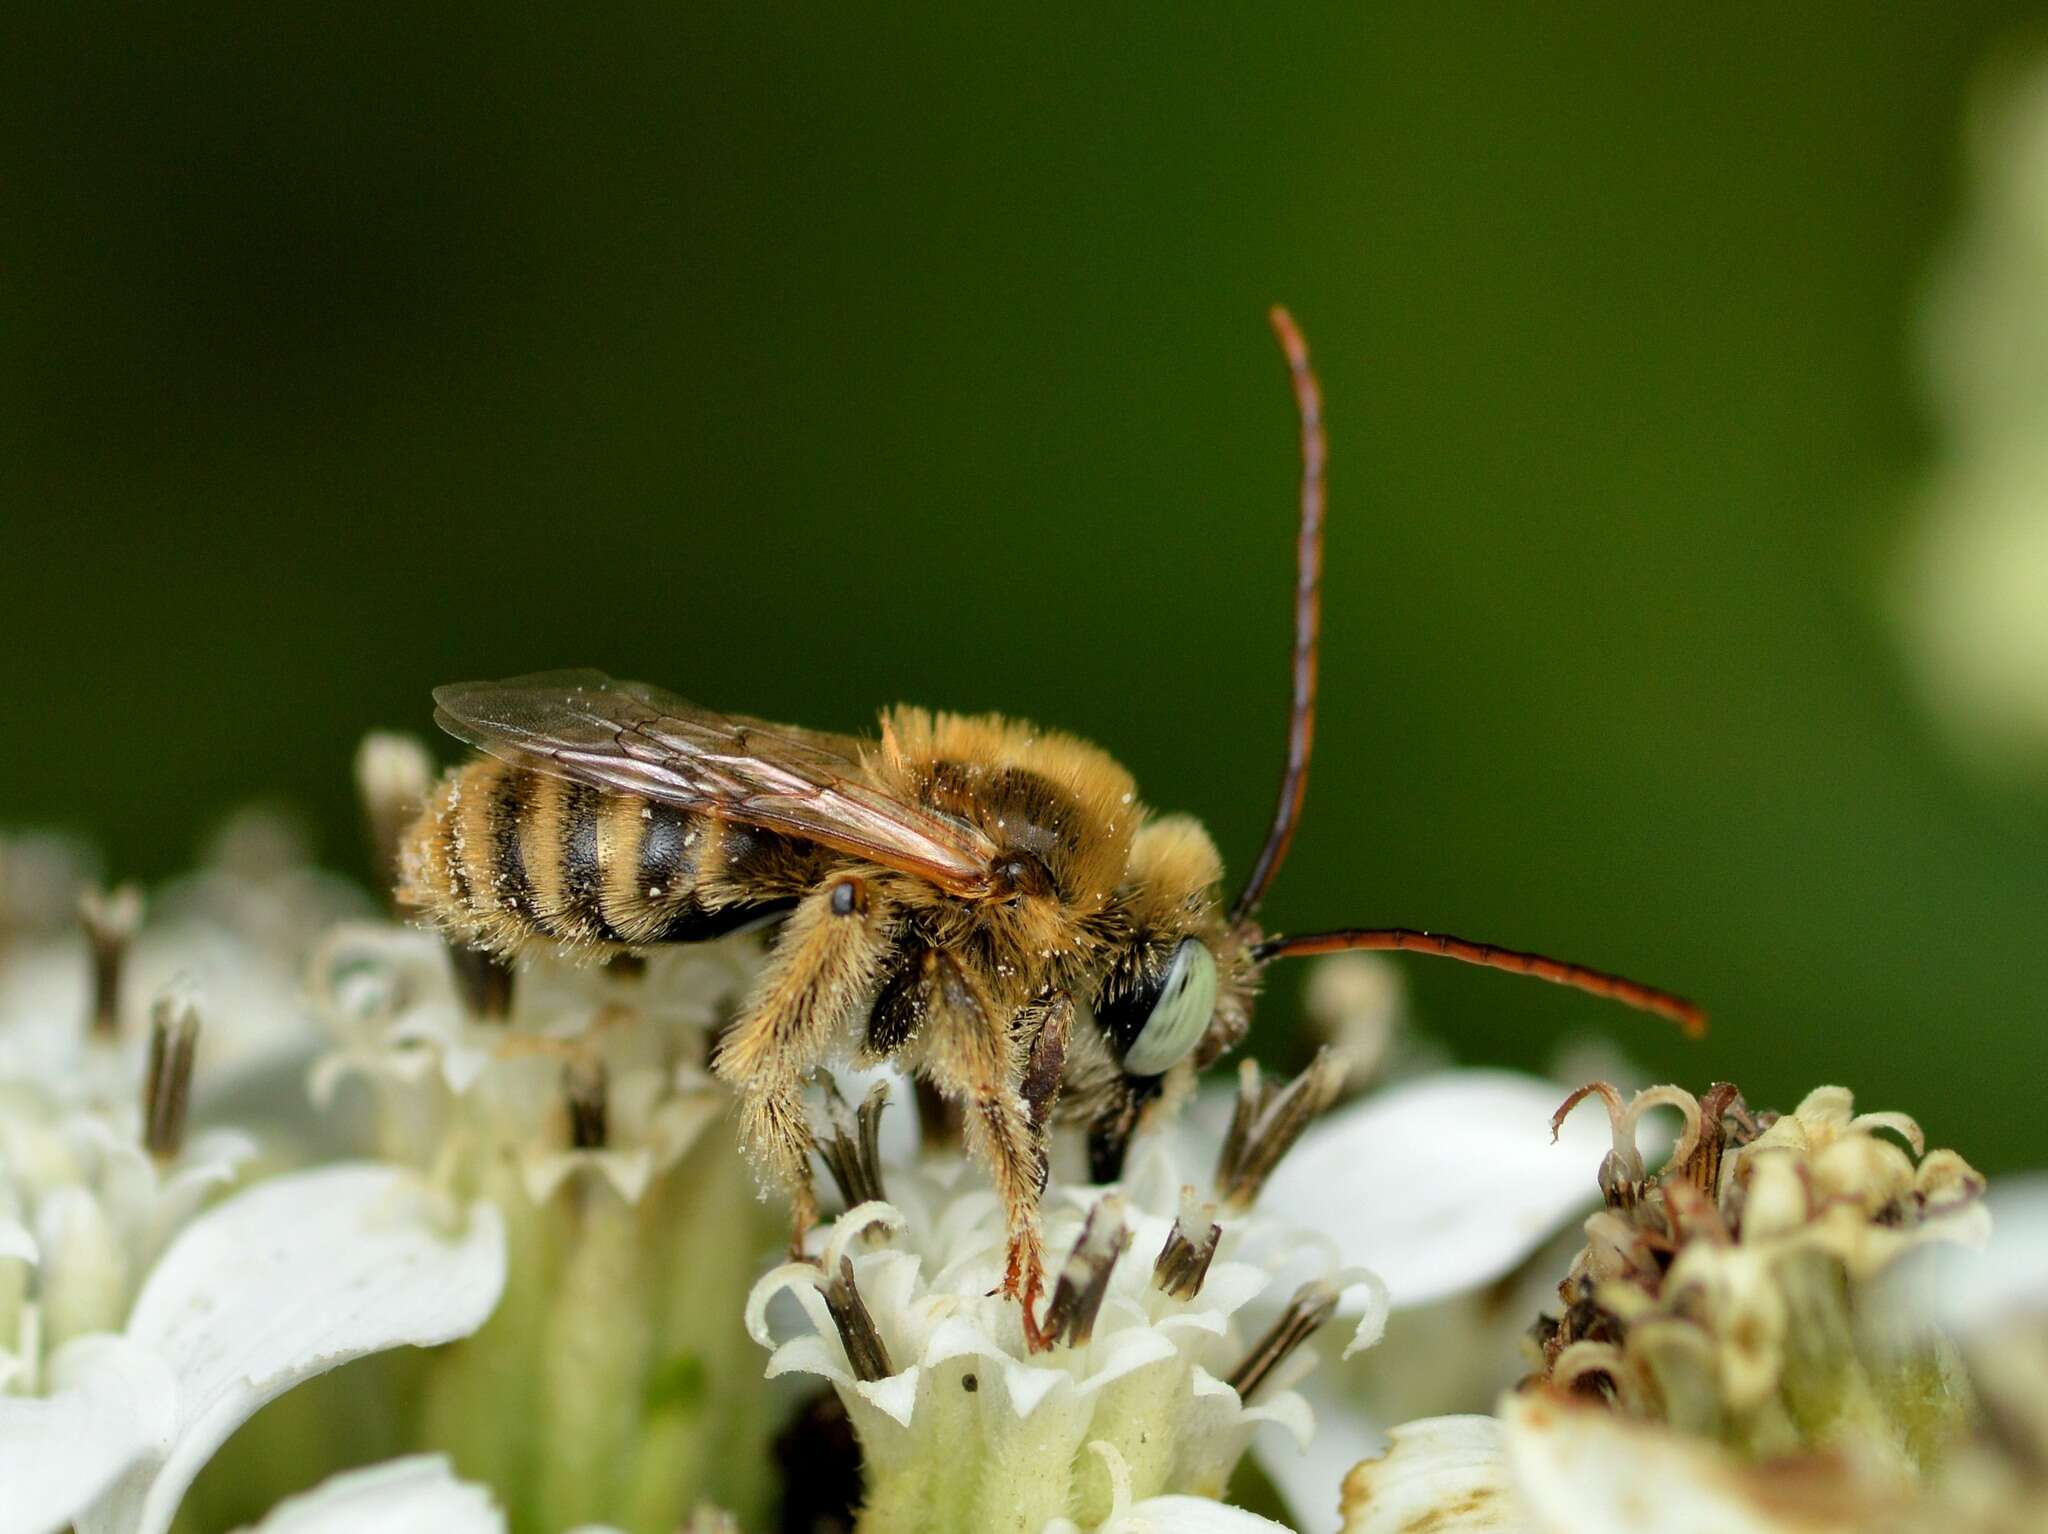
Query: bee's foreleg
[(820, 975), (973, 1056)]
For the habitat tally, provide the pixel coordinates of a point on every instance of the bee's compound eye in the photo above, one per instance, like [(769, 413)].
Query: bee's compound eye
[(1180, 1016)]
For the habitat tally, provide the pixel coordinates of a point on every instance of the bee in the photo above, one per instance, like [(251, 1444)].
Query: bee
[(985, 902)]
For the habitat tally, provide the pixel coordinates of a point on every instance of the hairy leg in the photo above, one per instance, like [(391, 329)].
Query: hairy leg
[(974, 1057), (818, 979)]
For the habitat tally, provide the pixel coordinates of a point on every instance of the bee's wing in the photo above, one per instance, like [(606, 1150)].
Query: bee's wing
[(642, 740)]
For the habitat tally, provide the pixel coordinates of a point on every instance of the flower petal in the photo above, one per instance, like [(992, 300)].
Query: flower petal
[(1442, 1183), (1180, 1515), (1446, 1474), (1309, 1477), (416, 1495), (16, 1242), (283, 1282), (112, 1402), (1591, 1471), (1970, 1292)]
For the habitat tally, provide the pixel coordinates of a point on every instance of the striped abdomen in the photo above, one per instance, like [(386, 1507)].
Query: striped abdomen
[(504, 855)]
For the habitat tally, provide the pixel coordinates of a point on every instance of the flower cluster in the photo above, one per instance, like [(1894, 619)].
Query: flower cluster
[(1722, 1295), (1734, 1351), (574, 1100), (250, 1132), (1179, 1320), (140, 1325)]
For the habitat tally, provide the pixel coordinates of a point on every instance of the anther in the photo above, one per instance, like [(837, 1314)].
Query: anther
[(1084, 1277), (394, 775), (1721, 1101), (865, 1353), (853, 1152), (111, 920), (167, 1085), (1267, 1121), (1190, 1247), (1312, 1305), (484, 979), (586, 1089)]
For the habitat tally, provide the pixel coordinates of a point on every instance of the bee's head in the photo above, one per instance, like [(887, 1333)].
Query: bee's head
[(1180, 984)]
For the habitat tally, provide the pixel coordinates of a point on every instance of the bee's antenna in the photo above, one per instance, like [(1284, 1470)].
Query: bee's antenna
[(1308, 579), (1630, 993)]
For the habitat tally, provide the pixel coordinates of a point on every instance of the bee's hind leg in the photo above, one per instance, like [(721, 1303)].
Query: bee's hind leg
[(818, 978)]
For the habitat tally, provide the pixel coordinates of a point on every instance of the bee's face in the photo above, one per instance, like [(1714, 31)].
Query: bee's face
[(1158, 1000)]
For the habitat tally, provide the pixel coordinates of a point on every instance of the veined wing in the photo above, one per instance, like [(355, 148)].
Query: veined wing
[(642, 740)]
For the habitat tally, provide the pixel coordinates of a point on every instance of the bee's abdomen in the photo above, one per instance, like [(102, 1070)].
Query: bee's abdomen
[(505, 856)]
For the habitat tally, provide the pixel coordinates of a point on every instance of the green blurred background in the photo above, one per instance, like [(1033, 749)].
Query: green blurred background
[(804, 361)]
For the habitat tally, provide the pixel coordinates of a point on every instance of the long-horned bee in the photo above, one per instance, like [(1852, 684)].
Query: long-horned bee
[(984, 901)]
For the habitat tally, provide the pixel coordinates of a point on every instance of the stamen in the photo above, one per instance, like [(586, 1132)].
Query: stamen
[(1665, 1097), (1703, 1166), (484, 979), (111, 920), (865, 1353), (1618, 1190), (853, 1154), (1190, 1246), (1592, 1369), (1313, 1304), (1084, 1278), (167, 1086), (394, 775), (1267, 1121), (587, 1088)]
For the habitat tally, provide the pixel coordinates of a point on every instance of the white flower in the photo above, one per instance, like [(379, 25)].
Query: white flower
[(574, 1099), (1443, 1185), (1178, 1326), (417, 1495), (285, 1281), (79, 981), (1545, 1466), (1996, 1307), (454, 1073), (138, 1328)]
